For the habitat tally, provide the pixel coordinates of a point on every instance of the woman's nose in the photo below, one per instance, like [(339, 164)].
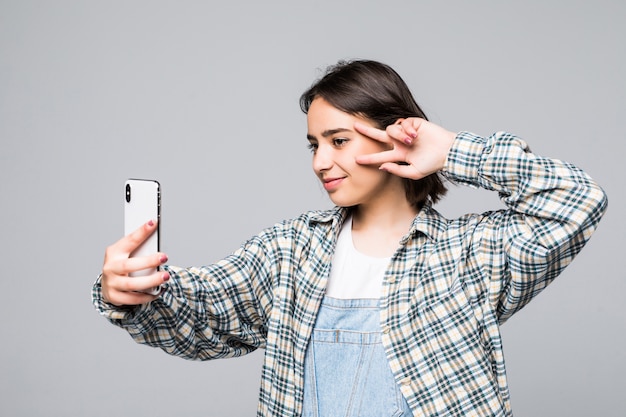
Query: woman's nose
[(322, 159)]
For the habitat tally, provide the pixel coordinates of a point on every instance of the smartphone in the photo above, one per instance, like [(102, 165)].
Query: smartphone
[(143, 203)]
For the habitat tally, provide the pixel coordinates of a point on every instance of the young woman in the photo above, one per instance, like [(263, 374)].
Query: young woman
[(380, 306)]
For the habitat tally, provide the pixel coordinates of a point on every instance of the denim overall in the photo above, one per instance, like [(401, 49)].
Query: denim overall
[(346, 371)]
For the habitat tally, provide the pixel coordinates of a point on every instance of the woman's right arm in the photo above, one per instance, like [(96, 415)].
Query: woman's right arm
[(215, 311)]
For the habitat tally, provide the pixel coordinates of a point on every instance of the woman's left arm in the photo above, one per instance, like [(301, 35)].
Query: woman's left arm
[(553, 207)]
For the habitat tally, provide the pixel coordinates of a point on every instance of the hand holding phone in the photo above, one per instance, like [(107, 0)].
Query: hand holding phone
[(117, 287)]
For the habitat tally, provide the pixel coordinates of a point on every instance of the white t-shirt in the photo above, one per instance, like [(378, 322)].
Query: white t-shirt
[(353, 274)]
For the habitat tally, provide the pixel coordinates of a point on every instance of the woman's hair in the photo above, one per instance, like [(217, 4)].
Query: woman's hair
[(374, 91)]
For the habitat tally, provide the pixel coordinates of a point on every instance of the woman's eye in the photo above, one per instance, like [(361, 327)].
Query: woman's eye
[(312, 147), (339, 141)]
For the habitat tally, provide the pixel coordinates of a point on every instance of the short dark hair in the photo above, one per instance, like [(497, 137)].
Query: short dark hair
[(376, 92)]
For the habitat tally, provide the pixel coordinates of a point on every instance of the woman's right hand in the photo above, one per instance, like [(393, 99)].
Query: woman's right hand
[(118, 287)]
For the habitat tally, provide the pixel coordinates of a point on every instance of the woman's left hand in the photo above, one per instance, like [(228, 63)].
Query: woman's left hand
[(418, 147)]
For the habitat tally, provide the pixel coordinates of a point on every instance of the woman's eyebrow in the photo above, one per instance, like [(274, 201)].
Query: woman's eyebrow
[(329, 132)]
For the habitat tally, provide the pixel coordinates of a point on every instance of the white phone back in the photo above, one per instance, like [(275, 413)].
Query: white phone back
[(142, 203)]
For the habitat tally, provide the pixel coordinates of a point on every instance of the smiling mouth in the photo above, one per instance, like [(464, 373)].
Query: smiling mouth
[(332, 183)]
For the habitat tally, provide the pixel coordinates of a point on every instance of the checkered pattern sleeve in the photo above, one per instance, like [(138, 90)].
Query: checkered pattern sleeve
[(209, 312), (552, 209)]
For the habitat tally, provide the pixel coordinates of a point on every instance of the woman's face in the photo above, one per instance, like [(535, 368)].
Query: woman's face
[(335, 144)]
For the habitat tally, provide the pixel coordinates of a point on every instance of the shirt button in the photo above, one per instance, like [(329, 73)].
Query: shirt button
[(406, 382), (386, 330)]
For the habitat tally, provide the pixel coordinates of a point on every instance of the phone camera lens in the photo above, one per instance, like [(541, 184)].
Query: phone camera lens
[(128, 193)]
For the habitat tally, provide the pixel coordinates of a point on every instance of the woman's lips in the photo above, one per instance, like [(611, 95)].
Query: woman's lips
[(332, 183)]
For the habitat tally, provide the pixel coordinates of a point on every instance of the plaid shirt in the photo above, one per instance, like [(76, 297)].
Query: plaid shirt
[(448, 287)]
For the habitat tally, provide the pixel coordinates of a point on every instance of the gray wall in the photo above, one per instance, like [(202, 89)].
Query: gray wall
[(203, 97)]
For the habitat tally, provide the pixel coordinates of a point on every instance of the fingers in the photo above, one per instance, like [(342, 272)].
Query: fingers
[(372, 132), (123, 290), (408, 129), (395, 154), (404, 171), (419, 148), (117, 286), (126, 266), (118, 262), (404, 130), (378, 158), (132, 241), (138, 284), (399, 133), (389, 136)]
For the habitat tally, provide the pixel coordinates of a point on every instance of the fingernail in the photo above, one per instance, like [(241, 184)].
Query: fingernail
[(166, 277), (151, 223), (408, 141), (163, 258)]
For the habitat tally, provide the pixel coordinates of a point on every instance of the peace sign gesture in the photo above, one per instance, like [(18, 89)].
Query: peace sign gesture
[(418, 147)]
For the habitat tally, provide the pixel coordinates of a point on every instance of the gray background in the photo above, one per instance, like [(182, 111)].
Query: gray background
[(203, 96)]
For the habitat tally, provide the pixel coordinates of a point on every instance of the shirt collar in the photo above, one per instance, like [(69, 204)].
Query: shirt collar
[(428, 221), (336, 215)]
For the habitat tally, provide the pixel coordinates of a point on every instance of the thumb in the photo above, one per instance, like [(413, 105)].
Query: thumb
[(403, 171)]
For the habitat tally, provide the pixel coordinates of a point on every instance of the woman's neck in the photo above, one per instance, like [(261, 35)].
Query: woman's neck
[(378, 228)]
